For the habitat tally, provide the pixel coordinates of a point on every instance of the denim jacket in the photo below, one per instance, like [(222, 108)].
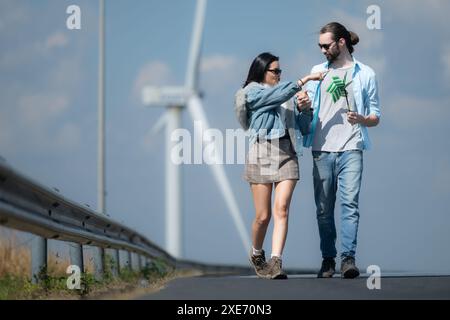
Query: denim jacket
[(263, 106), (365, 90)]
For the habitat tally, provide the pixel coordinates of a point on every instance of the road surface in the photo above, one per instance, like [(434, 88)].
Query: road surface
[(303, 287)]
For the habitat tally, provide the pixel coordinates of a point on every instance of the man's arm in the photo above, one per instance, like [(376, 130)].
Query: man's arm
[(373, 102)]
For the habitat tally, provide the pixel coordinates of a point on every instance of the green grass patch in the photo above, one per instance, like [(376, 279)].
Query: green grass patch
[(52, 286)]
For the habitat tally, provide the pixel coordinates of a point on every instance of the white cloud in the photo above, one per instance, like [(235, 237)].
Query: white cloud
[(33, 120), (38, 123), (215, 71), (218, 72), (217, 63), (38, 110), (32, 51), (56, 40), (155, 73)]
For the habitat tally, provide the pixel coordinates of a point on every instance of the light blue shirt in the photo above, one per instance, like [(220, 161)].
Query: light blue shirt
[(365, 90)]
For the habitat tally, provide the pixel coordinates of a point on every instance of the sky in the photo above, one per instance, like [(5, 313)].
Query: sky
[(48, 116)]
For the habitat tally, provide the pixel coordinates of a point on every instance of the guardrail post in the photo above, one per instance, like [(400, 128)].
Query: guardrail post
[(145, 261), (131, 259), (119, 261), (111, 261), (134, 262), (141, 261), (98, 258), (138, 258), (38, 258), (124, 260), (76, 255)]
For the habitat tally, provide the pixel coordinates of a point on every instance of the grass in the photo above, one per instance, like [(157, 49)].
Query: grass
[(15, 271), (15, 259)]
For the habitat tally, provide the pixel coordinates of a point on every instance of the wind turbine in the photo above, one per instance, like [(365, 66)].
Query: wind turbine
[(175, 99)]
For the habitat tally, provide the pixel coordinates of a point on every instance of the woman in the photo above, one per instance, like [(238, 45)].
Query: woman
[(275, 143)]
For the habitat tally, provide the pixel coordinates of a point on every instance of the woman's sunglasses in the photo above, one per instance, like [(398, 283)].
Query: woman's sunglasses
[(275, 71)]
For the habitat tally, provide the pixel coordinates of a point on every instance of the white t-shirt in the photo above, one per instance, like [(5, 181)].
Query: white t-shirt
[(333, 132)]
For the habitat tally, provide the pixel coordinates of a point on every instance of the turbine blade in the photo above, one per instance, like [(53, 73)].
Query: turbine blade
[(159, 125), (198, 114), (149, 138), (196, 42)]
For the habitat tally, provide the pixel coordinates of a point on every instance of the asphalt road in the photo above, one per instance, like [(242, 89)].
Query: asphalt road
[(304, 287)]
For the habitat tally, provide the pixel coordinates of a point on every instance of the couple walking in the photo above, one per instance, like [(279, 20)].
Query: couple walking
[(329, 111)]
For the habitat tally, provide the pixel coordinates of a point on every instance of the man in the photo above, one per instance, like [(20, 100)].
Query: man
[(345, 104)]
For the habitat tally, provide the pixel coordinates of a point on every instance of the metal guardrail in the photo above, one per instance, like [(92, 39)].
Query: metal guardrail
[(28, 206)]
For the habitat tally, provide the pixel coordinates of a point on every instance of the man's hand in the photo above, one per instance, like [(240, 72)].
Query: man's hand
[(369, 121), (303, 101), (354, 118)]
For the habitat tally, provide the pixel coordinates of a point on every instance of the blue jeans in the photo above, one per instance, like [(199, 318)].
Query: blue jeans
[(335, 171)]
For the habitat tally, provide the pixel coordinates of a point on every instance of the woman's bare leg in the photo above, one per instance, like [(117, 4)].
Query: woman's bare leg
[(283, 196), (262, 198)]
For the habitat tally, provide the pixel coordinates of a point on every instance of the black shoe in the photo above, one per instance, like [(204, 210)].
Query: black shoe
[(328, 268), (348, 268)]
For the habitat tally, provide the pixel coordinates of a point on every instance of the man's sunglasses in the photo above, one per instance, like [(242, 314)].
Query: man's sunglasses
[(275, 71), (326, 46)]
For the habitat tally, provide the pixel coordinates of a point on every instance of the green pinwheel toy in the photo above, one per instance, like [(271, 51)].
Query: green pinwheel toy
[(338, 89)]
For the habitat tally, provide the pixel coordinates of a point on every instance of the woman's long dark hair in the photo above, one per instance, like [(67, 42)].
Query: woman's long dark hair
[(259, 67)]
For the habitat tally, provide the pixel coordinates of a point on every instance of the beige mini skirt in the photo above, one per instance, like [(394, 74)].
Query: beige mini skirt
[(270, 161)]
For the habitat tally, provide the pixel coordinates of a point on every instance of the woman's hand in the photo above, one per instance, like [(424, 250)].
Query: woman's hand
[(317, 76), (303, 101)]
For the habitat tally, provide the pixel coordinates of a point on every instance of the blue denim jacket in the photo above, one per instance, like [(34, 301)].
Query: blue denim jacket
[(365, 90), (263, 105)]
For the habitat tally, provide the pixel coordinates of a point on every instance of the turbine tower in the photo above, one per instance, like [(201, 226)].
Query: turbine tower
[(175, 100)]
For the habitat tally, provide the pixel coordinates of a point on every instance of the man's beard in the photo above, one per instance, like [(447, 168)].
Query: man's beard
[(331, 57)]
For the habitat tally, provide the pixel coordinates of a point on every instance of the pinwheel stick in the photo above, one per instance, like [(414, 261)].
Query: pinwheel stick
[(346, 96)]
